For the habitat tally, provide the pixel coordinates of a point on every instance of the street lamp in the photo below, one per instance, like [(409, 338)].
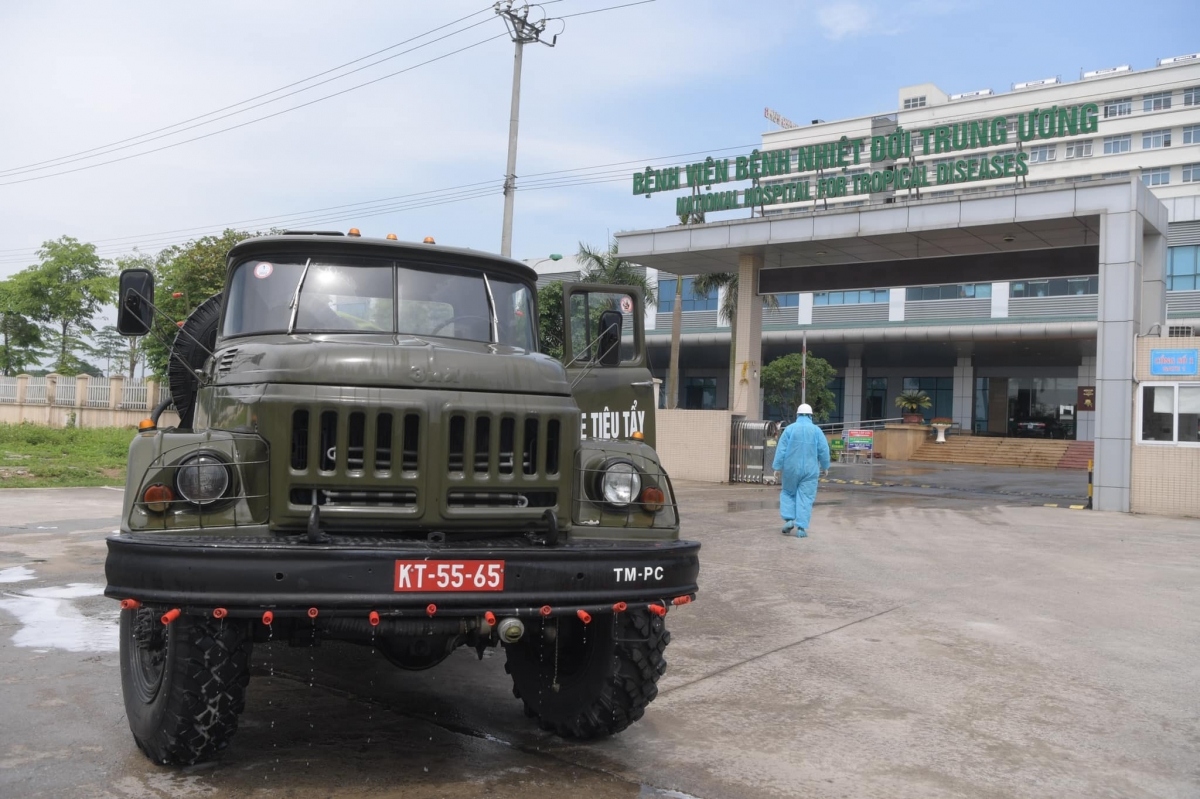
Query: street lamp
[(554, 256)]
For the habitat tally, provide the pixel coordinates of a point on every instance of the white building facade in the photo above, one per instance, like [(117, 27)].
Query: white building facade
[(901, 333)]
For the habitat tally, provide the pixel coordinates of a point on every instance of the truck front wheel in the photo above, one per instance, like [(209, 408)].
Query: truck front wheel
[(184, 683), (585, 681)]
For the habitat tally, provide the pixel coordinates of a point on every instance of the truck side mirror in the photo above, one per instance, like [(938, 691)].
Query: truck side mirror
[(135, 302), (610, 337)]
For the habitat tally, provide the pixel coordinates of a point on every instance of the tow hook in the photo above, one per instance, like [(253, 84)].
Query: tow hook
[(511, 630)]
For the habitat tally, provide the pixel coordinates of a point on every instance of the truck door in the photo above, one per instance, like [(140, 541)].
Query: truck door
[(604, 350)]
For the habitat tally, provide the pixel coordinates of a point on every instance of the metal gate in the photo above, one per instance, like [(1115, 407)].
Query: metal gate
[(751, 451)]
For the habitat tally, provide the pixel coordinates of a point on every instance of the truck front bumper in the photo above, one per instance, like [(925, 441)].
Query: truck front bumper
[(291, 577)]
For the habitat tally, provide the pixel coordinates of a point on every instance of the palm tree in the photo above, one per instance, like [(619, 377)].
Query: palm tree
[(706, 284), (607, 267)]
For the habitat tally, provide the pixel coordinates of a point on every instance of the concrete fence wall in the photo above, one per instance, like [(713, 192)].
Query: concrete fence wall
[(694, 445), (83, 401)]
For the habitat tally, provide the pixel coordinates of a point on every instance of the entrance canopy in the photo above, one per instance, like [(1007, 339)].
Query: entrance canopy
[(1115, 229)]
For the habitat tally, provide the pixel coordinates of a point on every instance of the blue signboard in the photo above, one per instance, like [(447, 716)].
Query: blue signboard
[(1173, 363)]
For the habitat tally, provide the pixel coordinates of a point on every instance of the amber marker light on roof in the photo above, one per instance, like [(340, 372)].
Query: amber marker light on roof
[(353, 232), (146, 424), (391, 237), (429, 240)]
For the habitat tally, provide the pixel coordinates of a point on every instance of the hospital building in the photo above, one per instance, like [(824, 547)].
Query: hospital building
[(1007, 250)]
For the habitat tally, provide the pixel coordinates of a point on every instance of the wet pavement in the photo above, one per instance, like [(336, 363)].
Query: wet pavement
[(938, 634)]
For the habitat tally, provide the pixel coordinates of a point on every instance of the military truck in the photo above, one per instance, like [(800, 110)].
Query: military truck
[(371, 449)]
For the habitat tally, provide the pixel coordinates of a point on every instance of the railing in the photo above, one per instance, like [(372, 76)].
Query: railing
[(133, 395), (35, 391), (98, 394), (8, 389), (64, 392), (837, 428)]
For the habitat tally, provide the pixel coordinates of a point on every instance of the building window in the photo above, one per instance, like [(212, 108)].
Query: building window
[(691, 300), (1118, 108), (784, 300), (860, 297), (1191, 96), (1157, 177), (1117, 144), (1170, 413), (1154, 139), (1012, 127), (938, 389), (1157, 101), (1080, 149), (1191, 173), (1183, 268), (1191, 134), (700, 393), (875, 398), (914, 102), (956, 291), (1055, 287), (1040, 155), (1108, 175)]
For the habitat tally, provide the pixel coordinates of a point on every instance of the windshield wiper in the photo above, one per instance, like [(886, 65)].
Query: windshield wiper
[(295, 303)]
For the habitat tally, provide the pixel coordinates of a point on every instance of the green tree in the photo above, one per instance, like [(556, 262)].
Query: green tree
[(185, 276), (21, 341), (64, 292), (707, 284), (550, 319), (782, 381), (605, 266), (116, 350), (694, 218), (596, 267)]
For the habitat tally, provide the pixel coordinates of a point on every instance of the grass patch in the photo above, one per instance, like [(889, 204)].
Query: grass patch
[(33, 456)]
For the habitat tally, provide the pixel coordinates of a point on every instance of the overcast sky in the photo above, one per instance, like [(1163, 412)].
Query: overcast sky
[(629, 84)]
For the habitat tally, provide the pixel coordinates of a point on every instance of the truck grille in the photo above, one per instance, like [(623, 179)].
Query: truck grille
[(320, 442), (485, 462), (354, 498), (497, 448)]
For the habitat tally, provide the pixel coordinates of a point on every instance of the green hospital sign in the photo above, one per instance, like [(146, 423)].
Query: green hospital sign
[(846, 153)]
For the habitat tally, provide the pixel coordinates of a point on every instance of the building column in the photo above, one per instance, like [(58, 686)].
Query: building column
[(746, 400), (1119, 320), (1085, 421), (999, 308), (896, 300), (852, 392), (964, 394)]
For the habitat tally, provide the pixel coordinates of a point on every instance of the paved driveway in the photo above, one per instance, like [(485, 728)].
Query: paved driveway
[(921, 643)]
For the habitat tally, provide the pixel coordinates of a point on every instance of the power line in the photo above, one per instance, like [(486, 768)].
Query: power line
[(180, 127), (235, 113), (53, 161), (295, 216)]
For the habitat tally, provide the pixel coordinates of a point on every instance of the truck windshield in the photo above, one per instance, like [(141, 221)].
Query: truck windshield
[(363, 295)]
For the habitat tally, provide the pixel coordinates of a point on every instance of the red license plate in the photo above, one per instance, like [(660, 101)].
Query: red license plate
[(449, 575)]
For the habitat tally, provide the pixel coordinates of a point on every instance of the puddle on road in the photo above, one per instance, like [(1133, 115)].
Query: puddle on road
[(50, 619), (16, 574)]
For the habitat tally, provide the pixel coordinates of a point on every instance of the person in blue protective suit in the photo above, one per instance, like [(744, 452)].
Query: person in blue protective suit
[(802, 454)]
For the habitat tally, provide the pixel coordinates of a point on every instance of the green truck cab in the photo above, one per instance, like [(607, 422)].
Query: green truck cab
[(372, 449)]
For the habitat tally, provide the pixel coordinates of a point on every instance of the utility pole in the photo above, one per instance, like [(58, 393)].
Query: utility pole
[(523, 32)]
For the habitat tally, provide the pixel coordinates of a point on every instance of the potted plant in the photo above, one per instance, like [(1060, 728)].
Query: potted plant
[(911, 403), (941, 424)]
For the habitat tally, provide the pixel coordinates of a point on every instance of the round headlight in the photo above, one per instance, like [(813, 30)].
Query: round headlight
[(202, 479), (620, 484)]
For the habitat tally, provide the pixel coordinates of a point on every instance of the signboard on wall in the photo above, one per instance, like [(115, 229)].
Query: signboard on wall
[(1173, 363), (1085, 398)]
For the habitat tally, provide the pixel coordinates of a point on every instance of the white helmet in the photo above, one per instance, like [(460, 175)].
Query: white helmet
[(804, 410)]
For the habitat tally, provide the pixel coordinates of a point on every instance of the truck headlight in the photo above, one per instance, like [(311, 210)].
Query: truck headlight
[(202, 479), (620, 483)]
